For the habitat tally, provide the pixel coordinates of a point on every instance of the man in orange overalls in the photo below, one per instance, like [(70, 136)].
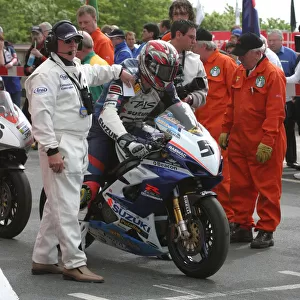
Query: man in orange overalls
[(219, 69), (254, 132)]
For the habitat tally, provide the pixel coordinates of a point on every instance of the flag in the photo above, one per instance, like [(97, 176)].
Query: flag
[(293, 17), (250, 22), (237, 14), (199, 13), (94, 4)]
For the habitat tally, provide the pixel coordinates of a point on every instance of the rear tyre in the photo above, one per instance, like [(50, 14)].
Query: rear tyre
[(209, 240), (89, 239), (15, 203)]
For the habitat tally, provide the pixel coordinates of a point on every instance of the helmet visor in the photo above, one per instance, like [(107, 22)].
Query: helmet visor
[(166, 73)]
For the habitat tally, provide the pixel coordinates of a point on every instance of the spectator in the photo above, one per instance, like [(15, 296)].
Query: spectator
[(228, 49), (164, 27), (38, 36), (271, 55), (253, 131), (287, 58), (183, 38), (235, 32), (87, 56), (87, 21), (61, 118), (106, 29), (130, 41), (179, 10), (122, 51), (8, 59), (219, 69), (296, 79), (150, 32)]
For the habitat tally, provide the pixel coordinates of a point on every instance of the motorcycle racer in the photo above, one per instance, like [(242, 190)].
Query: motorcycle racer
[(119, 113)]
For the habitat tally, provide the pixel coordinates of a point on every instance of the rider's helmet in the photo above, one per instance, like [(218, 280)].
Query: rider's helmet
[(158, 63)]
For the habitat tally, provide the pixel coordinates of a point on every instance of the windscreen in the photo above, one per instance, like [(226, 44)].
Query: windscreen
[(7, 109)]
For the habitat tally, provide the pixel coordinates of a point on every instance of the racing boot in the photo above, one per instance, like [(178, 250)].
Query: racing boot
[(240, 234), (264, 239), (82, 274), (85, 196)]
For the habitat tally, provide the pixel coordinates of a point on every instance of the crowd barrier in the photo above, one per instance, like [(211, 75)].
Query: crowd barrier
[(291, 89)]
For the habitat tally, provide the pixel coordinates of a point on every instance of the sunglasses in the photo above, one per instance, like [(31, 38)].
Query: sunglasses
[(76, 39)]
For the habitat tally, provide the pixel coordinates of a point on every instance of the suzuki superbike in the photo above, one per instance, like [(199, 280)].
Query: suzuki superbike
[(163, 203), (15, 192)]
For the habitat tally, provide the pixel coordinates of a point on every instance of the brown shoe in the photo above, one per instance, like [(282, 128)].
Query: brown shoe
[(40, 269), (82, 274)]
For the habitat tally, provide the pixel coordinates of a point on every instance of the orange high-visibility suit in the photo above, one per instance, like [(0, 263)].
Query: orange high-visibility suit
[(255, 115), (219, 69)]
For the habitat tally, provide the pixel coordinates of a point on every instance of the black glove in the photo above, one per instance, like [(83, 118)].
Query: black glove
[(196, 84), (131, 146)]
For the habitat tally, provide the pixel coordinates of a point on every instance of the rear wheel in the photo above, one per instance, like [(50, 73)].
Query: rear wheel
[(15, 203), (89, 239), (205, 251)]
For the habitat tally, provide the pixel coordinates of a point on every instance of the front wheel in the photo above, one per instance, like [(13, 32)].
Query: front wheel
[(15, 203), (204, 252)]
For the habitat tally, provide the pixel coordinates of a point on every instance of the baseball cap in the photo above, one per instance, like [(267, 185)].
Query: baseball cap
[(246, 42), (203, 35), (67, 31), (36, 29), (116, 33), (236, 32)]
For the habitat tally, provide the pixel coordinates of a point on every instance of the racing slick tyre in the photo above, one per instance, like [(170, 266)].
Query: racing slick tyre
[(15, 203), (204, 252)]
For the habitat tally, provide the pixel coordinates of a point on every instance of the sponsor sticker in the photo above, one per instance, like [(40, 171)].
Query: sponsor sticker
[(40, 90), (63, 76)]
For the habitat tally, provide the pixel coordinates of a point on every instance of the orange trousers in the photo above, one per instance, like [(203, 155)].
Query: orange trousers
[(255, 184)]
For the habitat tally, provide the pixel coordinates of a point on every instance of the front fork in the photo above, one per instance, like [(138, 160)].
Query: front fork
[(181, 225)]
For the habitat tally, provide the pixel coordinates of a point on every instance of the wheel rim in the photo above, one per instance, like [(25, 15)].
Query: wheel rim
[(202, 238), (8, 206)]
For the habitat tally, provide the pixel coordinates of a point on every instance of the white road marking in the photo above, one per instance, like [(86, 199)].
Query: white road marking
[(290, 273), (193, 296), (290, 180), (7, 293), (86, 296)]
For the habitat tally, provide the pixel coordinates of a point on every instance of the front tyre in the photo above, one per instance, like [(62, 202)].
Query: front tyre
[(205, 251), (15, 203)]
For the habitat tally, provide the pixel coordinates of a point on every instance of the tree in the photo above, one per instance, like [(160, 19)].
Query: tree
[(272, 23), (224, 21), (219, 22), (127, 14), (131, 14), (17, 23)]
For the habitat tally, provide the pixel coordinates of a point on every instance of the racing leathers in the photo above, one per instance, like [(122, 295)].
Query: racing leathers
[(116, 117), (55, 105)]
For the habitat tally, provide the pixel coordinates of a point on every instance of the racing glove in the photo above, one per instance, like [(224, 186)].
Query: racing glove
[(223, 140), (131, 146), (263, 153)]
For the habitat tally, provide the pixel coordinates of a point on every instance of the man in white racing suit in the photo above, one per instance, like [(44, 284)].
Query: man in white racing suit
[(118, 117), (191, 81), (61, 108)]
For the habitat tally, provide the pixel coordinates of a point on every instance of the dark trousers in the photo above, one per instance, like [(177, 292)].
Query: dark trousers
[(16, 98), (289, 124)]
